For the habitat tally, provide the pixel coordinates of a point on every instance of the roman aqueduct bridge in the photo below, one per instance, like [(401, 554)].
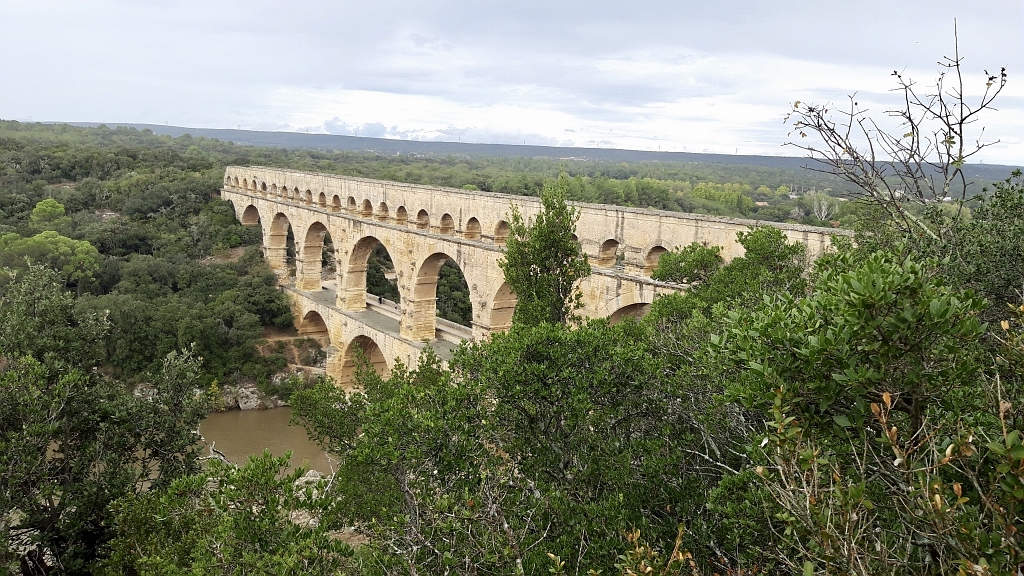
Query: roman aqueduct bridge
[(423, 226)]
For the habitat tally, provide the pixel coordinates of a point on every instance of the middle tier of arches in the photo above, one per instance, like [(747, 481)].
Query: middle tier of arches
[(417, 259)]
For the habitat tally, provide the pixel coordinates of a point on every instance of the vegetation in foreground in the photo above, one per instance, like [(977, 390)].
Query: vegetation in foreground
[(861, 414)]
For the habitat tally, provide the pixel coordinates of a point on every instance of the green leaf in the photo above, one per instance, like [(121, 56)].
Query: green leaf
[(842, 420)]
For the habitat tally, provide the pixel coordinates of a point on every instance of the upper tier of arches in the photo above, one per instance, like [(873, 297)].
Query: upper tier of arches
[(627, 240)]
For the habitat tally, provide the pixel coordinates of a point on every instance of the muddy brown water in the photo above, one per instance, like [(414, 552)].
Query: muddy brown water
[(243, 433)]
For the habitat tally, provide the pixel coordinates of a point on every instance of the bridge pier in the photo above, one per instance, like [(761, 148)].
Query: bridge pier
[(307, 272), (419, 321)]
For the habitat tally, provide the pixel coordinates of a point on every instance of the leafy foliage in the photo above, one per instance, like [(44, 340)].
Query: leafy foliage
[(543, 262), (693, 263)]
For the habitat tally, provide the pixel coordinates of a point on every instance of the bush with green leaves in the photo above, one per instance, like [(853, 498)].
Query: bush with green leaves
[(693, 263)]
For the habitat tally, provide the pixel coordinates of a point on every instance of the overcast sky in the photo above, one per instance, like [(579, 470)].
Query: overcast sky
[(707, 75)]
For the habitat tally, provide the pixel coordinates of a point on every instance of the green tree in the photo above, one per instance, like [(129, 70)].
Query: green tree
[(71, 441), (543, 262), (49, 215), (77, 261), (693, 263), (259, 518)]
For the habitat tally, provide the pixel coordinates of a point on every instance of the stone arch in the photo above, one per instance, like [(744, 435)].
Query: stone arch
[(245, 183), (263, 187), (252, 185), (421, 306), (365, 346), (382, 212), (503, 305), (227, 180), (309, 265), (312, 325), (322, 200), (472, 229), (276, 248), (637, 310), (607, 253), (235, 181), (250, 216), (366, 211), (402, 215), (273, 189), (353, 289), (308, 198), (351, 204), (336, 204), (447, 224), (501, 232), (651, 260), (422, 220)]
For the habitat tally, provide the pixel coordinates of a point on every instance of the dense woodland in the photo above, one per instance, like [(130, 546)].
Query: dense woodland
[(859, 414)]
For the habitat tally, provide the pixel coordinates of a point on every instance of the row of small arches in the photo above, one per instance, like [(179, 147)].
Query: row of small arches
[(473, 229), (607, 256)]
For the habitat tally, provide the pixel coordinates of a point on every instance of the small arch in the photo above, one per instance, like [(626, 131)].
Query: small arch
[(251, 216), (362, 346), (503, 306), (313, 326), (263, 186), (606, 255), (501, 232), (382, 212), (472, 229), (235, 181), (367, 209), (351, 204), (227, 180), (336, 204), (308, 197), (273, 189), (447, 224), (322, 200), (252, 185), (651, 261), (638, 310), (245, 183), (422, 220), (401, 215)]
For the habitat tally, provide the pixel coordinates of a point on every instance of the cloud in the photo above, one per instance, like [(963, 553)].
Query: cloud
[(666, 73)]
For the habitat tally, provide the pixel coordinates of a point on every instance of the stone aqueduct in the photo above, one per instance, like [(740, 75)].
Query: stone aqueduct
[(423, 226)]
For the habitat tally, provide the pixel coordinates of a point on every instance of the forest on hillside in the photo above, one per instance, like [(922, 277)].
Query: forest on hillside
[(859, 414)]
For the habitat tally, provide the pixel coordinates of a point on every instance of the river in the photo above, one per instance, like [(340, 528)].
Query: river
[(242, 433)]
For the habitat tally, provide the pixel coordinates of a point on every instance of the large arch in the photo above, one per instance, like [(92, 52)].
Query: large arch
[(362, 346), (637, 310), (276, 244), (503, 306), (353, 288), (312, 325), (250, 216), (421, 305), (309, 264)]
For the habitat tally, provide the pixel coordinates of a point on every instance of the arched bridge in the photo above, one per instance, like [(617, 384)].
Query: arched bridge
[(421, 227)]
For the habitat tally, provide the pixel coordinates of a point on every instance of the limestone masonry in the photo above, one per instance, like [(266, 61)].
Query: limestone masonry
[(421, 227)]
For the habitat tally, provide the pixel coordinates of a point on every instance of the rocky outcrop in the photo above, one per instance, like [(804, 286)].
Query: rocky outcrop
[(247, 397)]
